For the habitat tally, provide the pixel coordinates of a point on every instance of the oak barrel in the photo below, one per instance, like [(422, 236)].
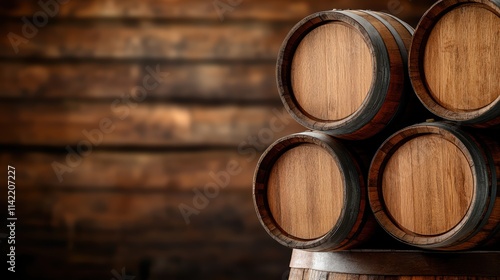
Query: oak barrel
[(455, 61), (435, 186), (344, 72), (309, 193), (394, 264)]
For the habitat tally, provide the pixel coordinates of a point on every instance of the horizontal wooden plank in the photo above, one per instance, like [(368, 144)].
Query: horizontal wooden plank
[(227, 230), (209, 260), (209, 10), (151, 40), (129, 213), (202, 82), (60, 265), (134, 172), (150, 241), (172, 9), (218, 254), (140, 124), (98, 241)]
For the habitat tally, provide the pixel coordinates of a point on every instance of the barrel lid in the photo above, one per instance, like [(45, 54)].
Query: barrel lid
[(308, 191), (461, 61), (454, 62), (427, 185), (332, 71), (305, 191)]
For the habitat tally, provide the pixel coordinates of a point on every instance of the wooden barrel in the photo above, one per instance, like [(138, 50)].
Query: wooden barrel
[(344, 72), (455, 61), (435, 186), (394, 264), (309, 193)]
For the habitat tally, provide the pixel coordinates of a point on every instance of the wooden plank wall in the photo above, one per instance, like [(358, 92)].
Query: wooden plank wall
[(116, 204)]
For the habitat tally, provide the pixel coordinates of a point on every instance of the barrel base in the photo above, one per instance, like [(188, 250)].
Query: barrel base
[(394, 264)]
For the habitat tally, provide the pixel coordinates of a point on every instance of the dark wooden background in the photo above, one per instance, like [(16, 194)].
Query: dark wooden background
[(118, 208)]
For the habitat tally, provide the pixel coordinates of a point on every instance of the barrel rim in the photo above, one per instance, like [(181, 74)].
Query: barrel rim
[(487, 115), (380, 81), (480, 202), (400, 262), (351, 192)]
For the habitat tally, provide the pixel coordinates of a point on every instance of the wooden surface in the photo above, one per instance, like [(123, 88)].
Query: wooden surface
[(309, 193), (305, 191), (134, 171), (155, 124), (461, 64), (310, 274), (394, 264), (258, 10), (454, 62), (134, 41), (343, 72), (119, 207), (434, 185), (331, 71), (98, 81), (427, 185)]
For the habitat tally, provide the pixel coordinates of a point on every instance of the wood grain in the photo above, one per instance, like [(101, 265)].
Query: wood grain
[(461, 64), (119, 207), (310, 274), (309, 194), (204, 10), (149, 40), (175, 10), (351, 83), (331, 71), (142, 124), (441, 187), (83, 227), (454, 61), (305, 191), (201, 82), (143, 215), (427, 185), (78, 230), (134, 172), (395, 264), (102, 211)]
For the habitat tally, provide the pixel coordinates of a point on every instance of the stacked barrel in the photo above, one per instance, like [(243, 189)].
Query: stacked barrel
[(364, 83)]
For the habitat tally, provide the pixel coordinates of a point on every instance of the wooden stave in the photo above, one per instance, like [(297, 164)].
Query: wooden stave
[(486, 117), (475, 232), (310, 274), (355, 226), (400, 112), (394, 264), (365, 122)]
